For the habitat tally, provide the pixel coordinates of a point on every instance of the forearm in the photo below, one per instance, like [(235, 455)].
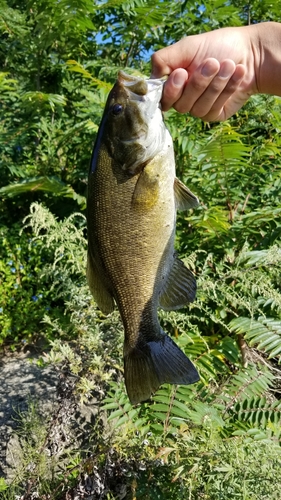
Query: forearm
[(268, 49)]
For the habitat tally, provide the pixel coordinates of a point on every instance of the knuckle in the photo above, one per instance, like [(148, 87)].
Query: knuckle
[(199, 85), (231, 87), (203, 105), (154, 59), (199, 110), (181, 107), (215, 87), (159, 66)]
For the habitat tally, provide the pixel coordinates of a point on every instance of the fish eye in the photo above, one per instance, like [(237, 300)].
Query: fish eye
[(117, 109)]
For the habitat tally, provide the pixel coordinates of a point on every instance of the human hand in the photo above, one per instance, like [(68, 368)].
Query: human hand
[(211, 75)]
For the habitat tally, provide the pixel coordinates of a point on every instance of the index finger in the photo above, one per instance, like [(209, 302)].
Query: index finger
[(173, 88)]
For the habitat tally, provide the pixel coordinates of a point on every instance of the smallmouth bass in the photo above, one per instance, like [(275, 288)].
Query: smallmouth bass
[(133, 195)]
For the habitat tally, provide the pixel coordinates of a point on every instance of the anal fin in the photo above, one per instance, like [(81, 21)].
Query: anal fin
[(179, 289), (185, 199)]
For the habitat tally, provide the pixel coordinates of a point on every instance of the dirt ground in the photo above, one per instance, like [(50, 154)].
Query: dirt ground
[(21, 381)]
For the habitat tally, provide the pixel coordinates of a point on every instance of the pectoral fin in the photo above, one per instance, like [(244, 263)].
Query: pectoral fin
[(185, 199), (179, 289), (146, 192), (98, 288)]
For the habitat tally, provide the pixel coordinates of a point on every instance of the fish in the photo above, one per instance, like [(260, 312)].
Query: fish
[(133, 195)]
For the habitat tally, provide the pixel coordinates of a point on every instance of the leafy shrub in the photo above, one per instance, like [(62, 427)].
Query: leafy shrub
[(25, 298), (38, 275)]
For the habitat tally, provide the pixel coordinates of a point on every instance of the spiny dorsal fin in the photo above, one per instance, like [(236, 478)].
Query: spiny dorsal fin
[(179, 289), (185, 199)]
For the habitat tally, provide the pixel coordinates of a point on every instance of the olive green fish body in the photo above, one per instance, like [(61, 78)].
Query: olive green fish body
[(132, 198)]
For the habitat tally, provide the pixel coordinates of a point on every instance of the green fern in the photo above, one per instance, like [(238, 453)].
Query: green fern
[(122, 413), (250, 382), (239, 404), (257, 412), (264, 333), (225, 144), (40, 99)]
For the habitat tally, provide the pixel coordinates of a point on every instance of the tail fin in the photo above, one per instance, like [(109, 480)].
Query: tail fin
[(155, 363)]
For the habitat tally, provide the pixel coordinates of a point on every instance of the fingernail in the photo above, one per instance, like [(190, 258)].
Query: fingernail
[(208, 69), (225, 72), (179, 79)]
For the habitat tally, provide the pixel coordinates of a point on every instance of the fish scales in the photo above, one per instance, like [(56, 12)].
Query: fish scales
[(131, 224)]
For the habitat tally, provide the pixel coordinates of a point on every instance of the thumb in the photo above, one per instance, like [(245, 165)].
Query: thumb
[(178, 55), (159, 66)]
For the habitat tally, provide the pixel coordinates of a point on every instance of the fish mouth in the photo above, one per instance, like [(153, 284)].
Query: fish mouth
[(140, 89), (143, 98)]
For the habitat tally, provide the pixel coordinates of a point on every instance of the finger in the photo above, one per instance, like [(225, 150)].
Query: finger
[(215, 89), (197, 85), (173, 88), (227, 102)]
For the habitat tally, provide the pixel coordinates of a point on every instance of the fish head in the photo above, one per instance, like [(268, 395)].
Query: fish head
[(132, 127)]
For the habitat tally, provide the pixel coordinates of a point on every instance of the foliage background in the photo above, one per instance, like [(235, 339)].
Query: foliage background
[(219, 439)]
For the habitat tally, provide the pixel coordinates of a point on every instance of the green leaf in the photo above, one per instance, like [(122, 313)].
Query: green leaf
[(160, 407), (47, 184), (117, 413)]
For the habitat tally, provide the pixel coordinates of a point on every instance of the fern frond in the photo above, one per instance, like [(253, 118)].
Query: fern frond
[(250, 382), (226, 134), (214, 221), (205, 415), (225, 144), (79, 68), (122, 413), (36, 98), (264, 333), (256, 411)]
